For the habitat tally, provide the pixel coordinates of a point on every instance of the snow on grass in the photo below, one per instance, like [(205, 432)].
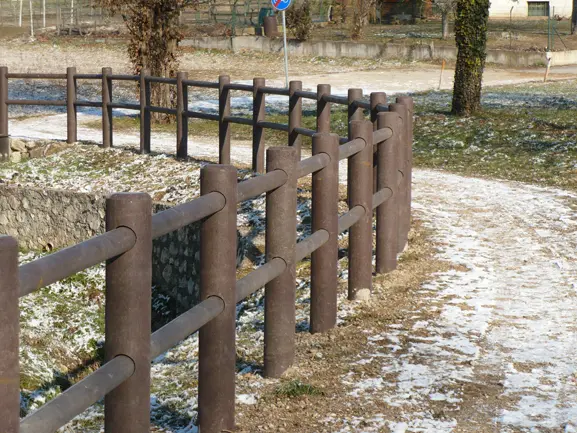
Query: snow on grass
[(505, 322)]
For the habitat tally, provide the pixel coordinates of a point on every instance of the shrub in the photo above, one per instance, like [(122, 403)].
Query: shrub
[(298, 20)]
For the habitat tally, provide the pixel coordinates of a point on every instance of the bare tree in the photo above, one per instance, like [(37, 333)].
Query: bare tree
[(447, 9), (574, 17), (31, 19), (154, 37), (361, 14)]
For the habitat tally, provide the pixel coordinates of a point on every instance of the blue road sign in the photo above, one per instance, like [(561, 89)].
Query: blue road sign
[(281, 5)]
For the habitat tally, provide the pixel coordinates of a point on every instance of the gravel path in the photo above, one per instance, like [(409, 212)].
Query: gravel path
[(490, 348)]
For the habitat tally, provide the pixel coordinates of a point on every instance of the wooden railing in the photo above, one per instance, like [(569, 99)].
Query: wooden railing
[(258, 89), (124, 379)]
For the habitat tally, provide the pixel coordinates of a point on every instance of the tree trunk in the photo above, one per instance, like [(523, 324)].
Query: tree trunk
[(31, 19), (471, 37), (574, 17), (445, 24)]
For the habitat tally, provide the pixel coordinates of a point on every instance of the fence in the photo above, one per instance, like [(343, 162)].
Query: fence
[(380, 148)]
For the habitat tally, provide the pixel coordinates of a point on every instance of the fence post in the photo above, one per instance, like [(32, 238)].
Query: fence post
[(3, 99), (279, 310), (388, 212), (354, 111), (144, 112), (217, 353), (323, 109), (9, 332), (223, 127), (71, 118), (258, 115), (408, 102), (128, 311), (324, 261), (181, 117), (106, 109), (295, 117), (361, 194), (377, 98), (404, 217)]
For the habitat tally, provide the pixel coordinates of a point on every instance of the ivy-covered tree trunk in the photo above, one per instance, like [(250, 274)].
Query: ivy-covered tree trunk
[(471, 37), (154, 31)]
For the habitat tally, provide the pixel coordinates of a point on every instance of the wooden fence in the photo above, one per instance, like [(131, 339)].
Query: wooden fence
[(381, 146)]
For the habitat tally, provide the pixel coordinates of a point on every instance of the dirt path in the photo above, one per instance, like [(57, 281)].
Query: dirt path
[(491, 348)]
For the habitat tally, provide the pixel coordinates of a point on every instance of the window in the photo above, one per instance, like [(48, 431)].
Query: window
[(538, 9)]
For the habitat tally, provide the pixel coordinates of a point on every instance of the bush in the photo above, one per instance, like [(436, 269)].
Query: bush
[(298, 20)]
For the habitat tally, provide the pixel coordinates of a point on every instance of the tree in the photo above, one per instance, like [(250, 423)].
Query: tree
[(361, 13), (299, 21), (154, 31), (447, 8), (574, 17), (471, 37)]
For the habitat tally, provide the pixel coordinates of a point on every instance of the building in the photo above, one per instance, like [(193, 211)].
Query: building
[(525, 9)]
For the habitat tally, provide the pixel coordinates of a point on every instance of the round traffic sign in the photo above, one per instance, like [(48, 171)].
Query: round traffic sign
[(281, 5)]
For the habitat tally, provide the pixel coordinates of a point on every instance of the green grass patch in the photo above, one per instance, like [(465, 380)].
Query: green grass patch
[(208, 128), (526, 133), (296, 388)]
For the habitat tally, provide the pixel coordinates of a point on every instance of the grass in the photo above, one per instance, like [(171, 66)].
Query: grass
[(204, 128), (296, 388), (524, 132)]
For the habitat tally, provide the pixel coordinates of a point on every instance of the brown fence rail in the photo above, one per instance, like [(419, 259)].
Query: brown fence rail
[(379, 173), (294, 93)]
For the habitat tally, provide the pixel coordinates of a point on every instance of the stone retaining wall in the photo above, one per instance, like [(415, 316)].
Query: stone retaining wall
[(52, 219)]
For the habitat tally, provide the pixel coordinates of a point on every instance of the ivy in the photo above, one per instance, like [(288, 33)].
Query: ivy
[(471, 21)]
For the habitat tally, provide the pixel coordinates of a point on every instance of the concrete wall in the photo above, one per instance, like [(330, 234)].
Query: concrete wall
[(53, 219), (359, 50), (561, 58)]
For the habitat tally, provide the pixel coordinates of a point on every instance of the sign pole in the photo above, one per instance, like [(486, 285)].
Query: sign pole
[(285, 50)]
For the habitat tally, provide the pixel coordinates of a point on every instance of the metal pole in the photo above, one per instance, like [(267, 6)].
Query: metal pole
[(181, 117), (361, 194), (106, 109), (71, 115), (144, 112), (295, 117), (9, 330), (285, 50), (128, 313), (281, 222), (217, 353), (388, 213), (323, 109), (258, 115), (324, 261), (223, 127)]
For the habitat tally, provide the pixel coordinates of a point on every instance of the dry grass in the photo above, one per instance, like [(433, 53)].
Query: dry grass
[(322, 359)]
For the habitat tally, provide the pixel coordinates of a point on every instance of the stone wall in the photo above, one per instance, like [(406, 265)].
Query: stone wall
[(52, 219), (25, 149)]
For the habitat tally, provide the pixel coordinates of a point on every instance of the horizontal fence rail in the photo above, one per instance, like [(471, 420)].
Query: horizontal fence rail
[(144, 108), (379, 172)]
